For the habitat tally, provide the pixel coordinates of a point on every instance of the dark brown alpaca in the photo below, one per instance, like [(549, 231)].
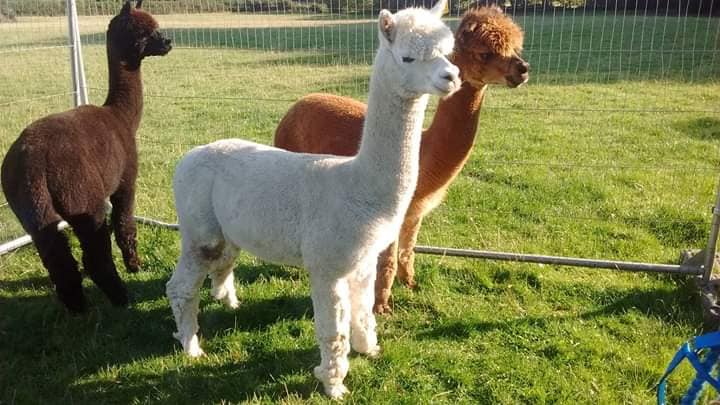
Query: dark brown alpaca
[(64, 166)]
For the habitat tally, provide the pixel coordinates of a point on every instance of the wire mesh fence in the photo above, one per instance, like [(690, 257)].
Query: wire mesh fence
[(610, 151)]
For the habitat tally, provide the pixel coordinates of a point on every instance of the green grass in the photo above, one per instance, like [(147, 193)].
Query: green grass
[(599, 163)]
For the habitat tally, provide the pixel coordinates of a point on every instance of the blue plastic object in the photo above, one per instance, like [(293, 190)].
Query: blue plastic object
[(707, 345)]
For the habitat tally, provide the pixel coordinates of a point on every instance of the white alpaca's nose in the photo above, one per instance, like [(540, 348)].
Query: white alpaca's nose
[(447, 78), (451, 73)]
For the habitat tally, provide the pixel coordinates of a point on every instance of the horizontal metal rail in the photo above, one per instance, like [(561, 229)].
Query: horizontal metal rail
[(154, 222), (15, 244), (476, 254), (24, 240), (563, 261)]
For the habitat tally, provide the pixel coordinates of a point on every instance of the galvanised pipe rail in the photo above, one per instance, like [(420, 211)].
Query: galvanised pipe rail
[(476, 254), (563, 261)]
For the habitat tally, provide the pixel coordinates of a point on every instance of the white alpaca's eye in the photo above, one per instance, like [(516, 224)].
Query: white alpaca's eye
[(408, 59)]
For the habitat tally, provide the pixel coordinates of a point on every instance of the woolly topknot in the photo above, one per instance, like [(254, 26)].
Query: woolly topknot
[(491, 26), (423, 33), (142, 21)]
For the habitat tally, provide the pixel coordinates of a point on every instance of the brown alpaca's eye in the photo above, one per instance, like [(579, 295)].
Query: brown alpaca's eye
[(408, 59)]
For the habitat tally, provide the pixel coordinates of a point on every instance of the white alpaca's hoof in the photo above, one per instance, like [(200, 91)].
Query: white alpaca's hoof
[(336, 391), (191, 346), (232, 301), (374, 352), (195, 351), (364, 344), (333, 390)]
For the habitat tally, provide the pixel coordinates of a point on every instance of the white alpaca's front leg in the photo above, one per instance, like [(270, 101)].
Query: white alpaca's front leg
[(362, 296), (183, 292), (331, 307)]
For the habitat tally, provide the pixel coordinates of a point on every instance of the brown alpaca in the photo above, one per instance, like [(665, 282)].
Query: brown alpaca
[(487, 46), (64, 166)]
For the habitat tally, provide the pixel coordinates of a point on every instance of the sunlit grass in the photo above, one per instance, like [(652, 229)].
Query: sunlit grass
[(620, 169)]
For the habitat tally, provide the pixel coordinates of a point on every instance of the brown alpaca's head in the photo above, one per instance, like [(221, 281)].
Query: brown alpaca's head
[(133, 34), (487, 49)]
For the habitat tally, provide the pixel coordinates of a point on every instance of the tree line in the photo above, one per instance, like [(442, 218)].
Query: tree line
[(365, 7)]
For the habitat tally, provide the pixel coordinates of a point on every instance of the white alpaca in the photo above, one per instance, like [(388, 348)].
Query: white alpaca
[(330, 214)]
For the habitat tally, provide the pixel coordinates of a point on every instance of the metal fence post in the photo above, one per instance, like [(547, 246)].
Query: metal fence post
[(712, 241), (80, 97), (76, 60)]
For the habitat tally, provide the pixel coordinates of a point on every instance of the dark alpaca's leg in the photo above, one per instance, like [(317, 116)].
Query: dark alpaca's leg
[(94, 235), (54, 250), (124, 225)]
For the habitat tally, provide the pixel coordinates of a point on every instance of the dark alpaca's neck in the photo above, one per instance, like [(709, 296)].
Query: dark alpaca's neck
[(447, 144), (125, 91)]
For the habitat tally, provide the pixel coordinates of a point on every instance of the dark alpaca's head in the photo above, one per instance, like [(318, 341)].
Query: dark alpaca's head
[(133, 34)]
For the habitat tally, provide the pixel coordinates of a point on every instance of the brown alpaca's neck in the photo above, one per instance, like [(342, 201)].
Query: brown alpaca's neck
[(125, 92), (447, 143)]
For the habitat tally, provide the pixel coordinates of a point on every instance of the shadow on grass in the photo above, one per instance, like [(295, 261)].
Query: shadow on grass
[(30, 283), (272, 373), (265, 271), (76, 350), (255, 314), (705, 128), (670, 306)]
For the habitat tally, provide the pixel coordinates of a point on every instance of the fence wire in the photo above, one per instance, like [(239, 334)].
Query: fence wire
[(610, 150)]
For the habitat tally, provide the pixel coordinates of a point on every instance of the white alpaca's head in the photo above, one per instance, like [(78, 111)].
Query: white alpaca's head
[(414, 43)]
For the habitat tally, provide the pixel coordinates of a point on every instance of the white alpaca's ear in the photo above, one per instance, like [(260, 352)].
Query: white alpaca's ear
[(440, 8), (386, 26)]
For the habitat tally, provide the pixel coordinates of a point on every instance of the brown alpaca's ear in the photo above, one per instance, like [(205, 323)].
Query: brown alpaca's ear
[(467, 32), (138, 4), (125, 9)]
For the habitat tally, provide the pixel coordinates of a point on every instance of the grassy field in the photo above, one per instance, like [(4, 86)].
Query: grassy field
[(611, 151)]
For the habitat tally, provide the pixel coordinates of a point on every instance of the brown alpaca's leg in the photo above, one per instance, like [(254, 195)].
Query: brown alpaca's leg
[(406, 254), (123, 202), (54, 250), (386, 268), (94, 235)]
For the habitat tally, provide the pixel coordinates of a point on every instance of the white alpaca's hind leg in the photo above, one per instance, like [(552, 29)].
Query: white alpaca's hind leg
[(223, 288), (223, 281), (331, 307), (362, 296), (183, 292)]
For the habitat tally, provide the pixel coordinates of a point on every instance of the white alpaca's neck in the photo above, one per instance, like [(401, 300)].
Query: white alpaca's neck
[(388, 158)]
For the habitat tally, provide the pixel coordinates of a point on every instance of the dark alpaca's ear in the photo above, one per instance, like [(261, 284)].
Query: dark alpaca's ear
[(126, 8), (138, 4)]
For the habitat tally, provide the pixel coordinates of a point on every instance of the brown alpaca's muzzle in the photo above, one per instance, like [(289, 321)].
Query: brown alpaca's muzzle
[(519, 72)]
